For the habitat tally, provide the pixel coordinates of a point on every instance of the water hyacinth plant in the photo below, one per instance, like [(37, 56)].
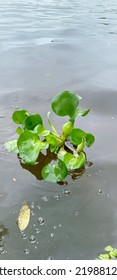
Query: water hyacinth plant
[(34, 137)]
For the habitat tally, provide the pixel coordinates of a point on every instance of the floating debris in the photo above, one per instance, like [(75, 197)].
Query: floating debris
[(23, 217)]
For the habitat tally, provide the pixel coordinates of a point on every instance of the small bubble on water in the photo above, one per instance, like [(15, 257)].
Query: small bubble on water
[(38, 206), (2, 251), (14, 179), (112, 118), (100, 170), (67, 192), (54, 227), (41, 221), (32, 213), (50, 258), (89, 175), (76, 213), (107, 195), (99, 191), (52, 234), (32, 206), (32, 239), (26, 251), (45, 198), (57, 197), (60, 225), (35, 247), (37, 230), (24, 236)]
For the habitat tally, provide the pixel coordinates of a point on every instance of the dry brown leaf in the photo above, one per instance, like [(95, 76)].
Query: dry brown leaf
[(23, 217)]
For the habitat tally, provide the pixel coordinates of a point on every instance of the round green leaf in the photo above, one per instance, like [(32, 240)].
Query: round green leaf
[(19, 116), (32, 121), (73, 162), (89, 139), (65, 103), (76, 136), (29, 147), (55, 173), (109, 248)]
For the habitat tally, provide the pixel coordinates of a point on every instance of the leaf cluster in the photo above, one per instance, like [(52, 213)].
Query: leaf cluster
[(34, 137), (111, 253)]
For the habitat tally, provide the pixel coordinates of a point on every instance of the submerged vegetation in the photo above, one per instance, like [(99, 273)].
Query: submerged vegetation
[(67, 147)]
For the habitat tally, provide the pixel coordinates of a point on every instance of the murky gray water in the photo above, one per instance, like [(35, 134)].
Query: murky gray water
[(47, 47)]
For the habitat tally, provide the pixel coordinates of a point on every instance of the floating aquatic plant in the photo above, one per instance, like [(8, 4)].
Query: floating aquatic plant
[(68, 147), (110, 254)]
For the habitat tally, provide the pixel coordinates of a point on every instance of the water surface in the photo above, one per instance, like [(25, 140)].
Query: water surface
[(47, 47)]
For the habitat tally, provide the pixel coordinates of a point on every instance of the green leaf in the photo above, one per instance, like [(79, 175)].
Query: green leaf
[(43, 145), (55, 173), (115, 252), (65, 103), (29, 147), (112, 254), (32, 121), (108, 248), (19, 130), (73, 162), (41, 130), (89, 139), (104, 257), (66, 129), (76, 136), (82, 113), (19, 116), (11, 146), (54, 141)]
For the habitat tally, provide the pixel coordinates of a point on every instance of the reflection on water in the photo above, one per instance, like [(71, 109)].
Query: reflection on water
[(47, 47), (3, 232), (42, 160)]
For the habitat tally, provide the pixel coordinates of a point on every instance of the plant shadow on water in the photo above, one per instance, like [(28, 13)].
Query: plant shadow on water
[(44, 159)]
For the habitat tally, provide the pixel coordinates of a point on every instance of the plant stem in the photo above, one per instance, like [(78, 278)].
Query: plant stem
[(80, 147)]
